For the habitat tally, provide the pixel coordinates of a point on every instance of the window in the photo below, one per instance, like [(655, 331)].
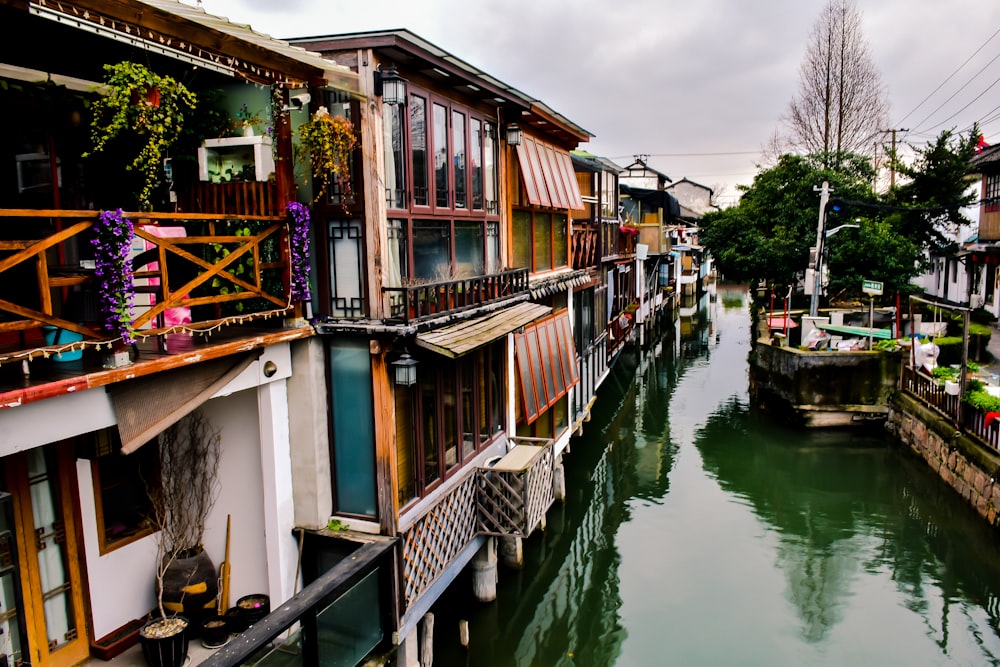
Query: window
[(540, 240), (346, 248), (992, 198), (120, 487), (546, 365), (450, 415), (353, 437), (458, 159), (442, 194), (418, 148), (395, 156)]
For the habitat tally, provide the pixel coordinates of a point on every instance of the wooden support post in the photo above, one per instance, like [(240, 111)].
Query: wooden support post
[(427, 641), (559, 482), (407, 653), (512, 552), (484, 572), (463, 633)]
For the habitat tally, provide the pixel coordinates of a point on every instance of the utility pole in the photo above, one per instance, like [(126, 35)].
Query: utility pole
[(817, 263), (892, 156)]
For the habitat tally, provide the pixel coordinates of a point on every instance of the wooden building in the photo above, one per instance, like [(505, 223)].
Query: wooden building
[(445, 311), (216, 321)]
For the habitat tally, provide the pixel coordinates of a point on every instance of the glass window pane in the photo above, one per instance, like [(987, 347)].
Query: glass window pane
[(350, 627), (458, 141), (483, 404), (418, 148), (353, 427), (476, 162), (469, 258), (543, 241), (431, 250), (524, 376), (346, 286), (537, 374), (450, 417), (406, 459), (521, 231), (566, 347), (551, 371), (442, 195), (490, 169), (428, 414), (469, 424), (492, 247), (498, 353), (560, 239), (395, 164)]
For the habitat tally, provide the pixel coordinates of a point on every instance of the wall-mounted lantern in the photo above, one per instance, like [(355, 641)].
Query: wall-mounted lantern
[(390, 86), (405, 370), (513, 135)]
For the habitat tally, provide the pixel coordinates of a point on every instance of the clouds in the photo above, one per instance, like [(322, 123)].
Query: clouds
[(669, 78)]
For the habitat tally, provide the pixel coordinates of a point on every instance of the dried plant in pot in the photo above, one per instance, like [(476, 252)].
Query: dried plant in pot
[(186, 580)]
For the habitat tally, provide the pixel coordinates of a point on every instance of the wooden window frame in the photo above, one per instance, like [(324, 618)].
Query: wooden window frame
[(556, 367)]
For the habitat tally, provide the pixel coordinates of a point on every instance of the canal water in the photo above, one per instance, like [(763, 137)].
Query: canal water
[(697, 531)]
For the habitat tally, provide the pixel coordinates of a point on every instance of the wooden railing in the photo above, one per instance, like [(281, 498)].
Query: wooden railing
[(201, 267), (257, 198), (972, 420), (417, 302)]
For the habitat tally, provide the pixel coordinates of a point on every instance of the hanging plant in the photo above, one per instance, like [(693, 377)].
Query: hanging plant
[(299, 243), (146, 106), (113, 235), (327, 142)]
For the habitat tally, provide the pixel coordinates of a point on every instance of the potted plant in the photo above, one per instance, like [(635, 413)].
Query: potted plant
[(327, 142), (146, 110), (186, 582)]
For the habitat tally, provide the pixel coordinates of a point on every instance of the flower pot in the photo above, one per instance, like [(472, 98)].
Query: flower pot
[(254, 607), (234, 618), (55, 336), (190, 586), (164, 641), (215, 631)]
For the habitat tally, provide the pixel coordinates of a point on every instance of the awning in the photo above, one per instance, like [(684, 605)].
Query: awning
[(457, 339), (546, 362), (549, 178), (863, 332), (147, 406)]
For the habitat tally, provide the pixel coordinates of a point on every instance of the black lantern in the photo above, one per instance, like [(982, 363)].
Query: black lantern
[(405, 369), (390, 86), (513, 135)]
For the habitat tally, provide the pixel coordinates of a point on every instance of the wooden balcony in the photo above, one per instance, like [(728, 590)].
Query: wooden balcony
[(192, 273), (414, 303)]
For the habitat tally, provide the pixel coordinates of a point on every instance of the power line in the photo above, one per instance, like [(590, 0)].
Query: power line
[(977, 97), (649, 155), (949, 77), (953, 95)]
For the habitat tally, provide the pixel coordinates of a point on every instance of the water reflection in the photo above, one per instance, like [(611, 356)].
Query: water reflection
[(696, 531)]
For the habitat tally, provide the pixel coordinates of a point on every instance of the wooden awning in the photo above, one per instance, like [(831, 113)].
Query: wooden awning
[(455, 340), (549, 178)]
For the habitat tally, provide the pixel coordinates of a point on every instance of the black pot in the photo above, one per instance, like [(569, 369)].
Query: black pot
[(215, 631), (254, 607), (236, 621), (168, 651)]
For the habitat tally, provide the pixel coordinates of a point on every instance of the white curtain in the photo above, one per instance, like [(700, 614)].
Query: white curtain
[(51, 569)]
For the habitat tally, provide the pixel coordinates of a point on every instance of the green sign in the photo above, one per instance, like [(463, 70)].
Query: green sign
[(871, 287)]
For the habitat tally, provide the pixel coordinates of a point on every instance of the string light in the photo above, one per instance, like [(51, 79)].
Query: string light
[(189, 329)]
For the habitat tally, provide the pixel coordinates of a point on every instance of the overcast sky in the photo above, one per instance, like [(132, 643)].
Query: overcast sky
[(699, 87)]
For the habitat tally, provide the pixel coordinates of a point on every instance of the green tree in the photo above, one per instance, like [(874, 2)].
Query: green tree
[(767, 236)]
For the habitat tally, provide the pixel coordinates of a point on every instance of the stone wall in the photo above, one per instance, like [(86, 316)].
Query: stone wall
[(962, 462)]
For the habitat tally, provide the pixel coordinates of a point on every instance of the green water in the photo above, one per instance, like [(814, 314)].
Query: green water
[(698, 532)]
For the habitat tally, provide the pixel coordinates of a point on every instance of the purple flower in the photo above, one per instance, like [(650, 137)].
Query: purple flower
[(299, 242), (113, 235)]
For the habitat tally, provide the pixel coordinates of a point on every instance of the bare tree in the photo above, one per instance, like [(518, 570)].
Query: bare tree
[(841, 105)]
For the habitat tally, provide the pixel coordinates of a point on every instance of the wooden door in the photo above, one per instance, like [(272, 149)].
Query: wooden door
[(42, 482)]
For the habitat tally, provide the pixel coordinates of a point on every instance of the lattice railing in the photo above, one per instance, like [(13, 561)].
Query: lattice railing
[(438, 537), (513, 502)]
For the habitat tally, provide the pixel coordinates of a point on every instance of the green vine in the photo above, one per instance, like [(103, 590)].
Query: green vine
[(147, 106), (327, 142)]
